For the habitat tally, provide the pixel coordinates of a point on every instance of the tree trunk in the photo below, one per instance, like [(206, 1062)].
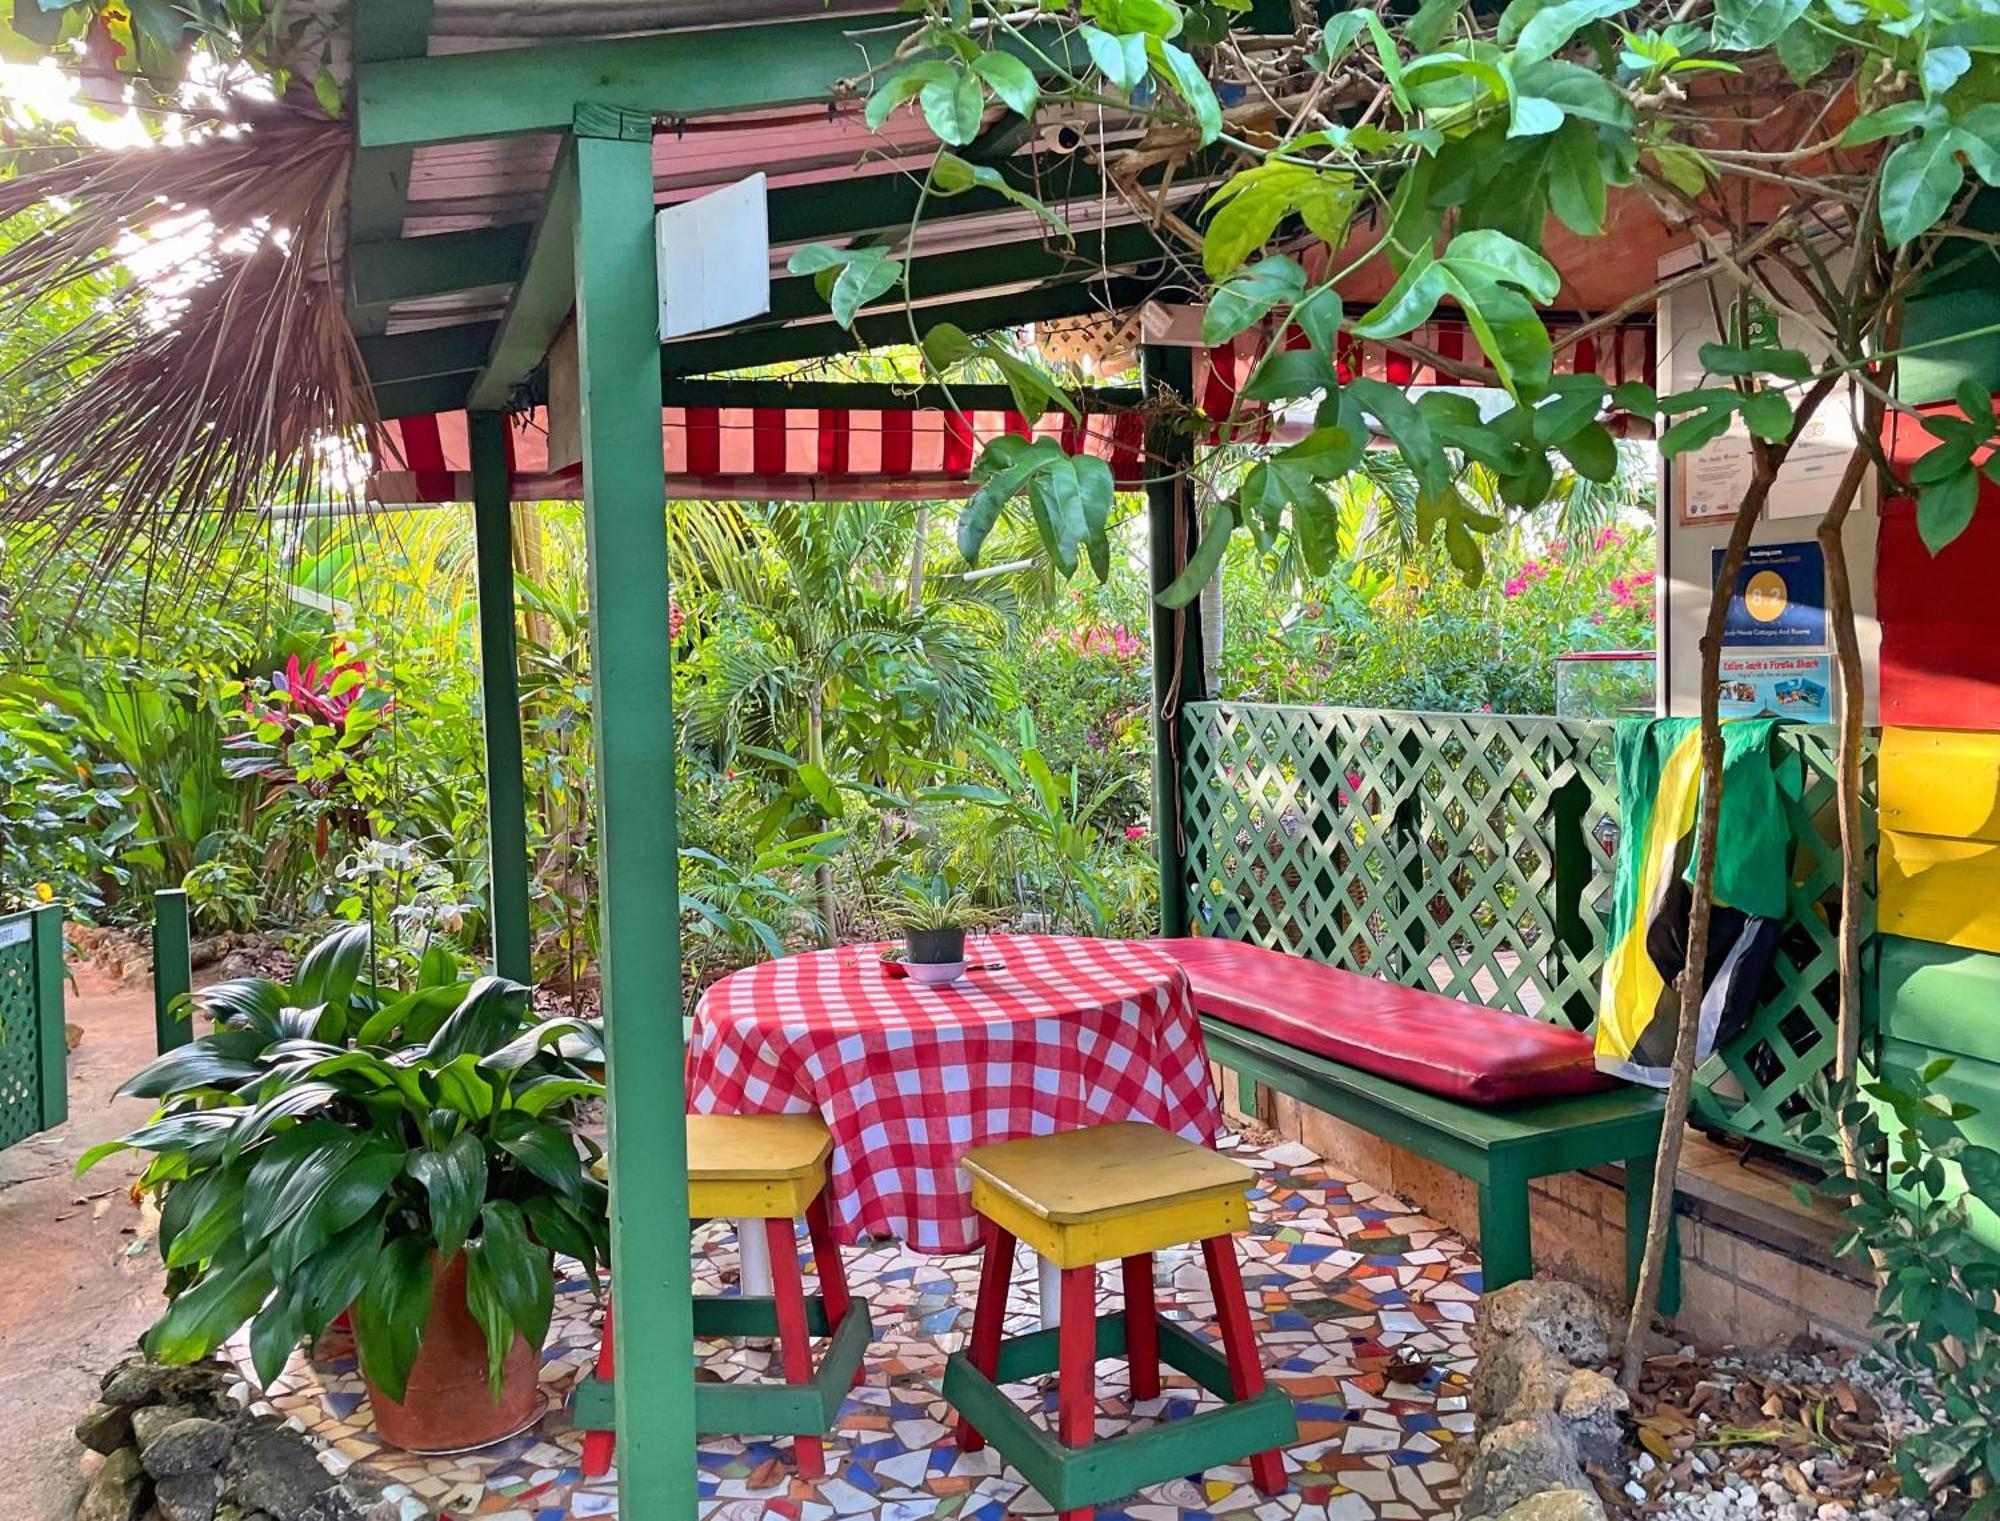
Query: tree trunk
[(1847, 651), (913, 593), (829, 905)]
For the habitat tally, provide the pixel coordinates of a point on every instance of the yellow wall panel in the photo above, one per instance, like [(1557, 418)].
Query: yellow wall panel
[(1942, 782), (1946, 891)]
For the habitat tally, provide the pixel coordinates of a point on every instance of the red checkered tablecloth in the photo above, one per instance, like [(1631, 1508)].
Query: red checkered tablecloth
[(1064, 1033)]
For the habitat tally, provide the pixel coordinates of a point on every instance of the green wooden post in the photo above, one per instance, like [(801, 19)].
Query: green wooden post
[(1177, 663), (500, 699), (173, 970), (624, 486), (53, 1047)]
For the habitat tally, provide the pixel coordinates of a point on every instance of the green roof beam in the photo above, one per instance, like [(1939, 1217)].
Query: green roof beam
[(546, 292), (871, 396), (503, 93), (384, 271)]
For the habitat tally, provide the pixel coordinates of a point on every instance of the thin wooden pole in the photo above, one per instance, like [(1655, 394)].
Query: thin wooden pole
[(1177, 662), (624, 484), (500, 700)]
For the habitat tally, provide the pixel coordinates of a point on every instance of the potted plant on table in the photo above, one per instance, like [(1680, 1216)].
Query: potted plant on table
[(411, 1158), (934, 916)]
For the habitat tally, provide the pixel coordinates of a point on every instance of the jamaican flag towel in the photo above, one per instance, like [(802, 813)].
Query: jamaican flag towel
[(1659, 781)]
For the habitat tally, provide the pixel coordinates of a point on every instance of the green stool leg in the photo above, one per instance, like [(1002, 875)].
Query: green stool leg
[(1506, 1252), (1638, 1216)]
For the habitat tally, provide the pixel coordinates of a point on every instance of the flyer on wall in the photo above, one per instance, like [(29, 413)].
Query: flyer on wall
[(1797, 687)]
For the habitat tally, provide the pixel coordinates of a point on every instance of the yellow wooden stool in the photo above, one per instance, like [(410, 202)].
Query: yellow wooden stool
[(1113, 1193), (773, 1168)]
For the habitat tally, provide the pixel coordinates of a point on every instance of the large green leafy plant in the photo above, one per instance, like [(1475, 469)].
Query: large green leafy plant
[(332, 1145), (1937, 1306)]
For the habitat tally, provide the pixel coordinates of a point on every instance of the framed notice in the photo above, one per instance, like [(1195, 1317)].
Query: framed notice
[(1780, 597), (1798, 687)]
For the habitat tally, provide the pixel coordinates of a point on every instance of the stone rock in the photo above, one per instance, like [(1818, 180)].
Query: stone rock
[(106, 1428), (148, 1421), (1560, 1315), (1556, 1505), (1519, 1379), (116, 1491), (1591, 1407), (275, 1470), (188, 1496), (137, 1382), (1518, 1461), (191, 1446)]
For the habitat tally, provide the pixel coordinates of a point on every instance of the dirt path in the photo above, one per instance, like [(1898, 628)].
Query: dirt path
[(78, 1279)]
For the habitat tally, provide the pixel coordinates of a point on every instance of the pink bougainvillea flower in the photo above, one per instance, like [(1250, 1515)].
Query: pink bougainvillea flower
[(1514, 587), (1135, 831)]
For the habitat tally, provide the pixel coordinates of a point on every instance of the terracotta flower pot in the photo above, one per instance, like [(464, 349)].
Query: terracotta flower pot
[(448, 1406)]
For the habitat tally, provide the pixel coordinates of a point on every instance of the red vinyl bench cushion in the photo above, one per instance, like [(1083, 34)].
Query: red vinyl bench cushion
[(1461, 1051)]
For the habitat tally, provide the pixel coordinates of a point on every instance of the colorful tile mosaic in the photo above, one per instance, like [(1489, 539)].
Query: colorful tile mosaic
[(1363, 1309)]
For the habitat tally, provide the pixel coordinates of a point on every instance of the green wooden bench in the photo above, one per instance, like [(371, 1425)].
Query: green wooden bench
[(1502, 1149)]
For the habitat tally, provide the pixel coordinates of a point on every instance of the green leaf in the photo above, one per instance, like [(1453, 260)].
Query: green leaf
[(349, 1195), (1551, 28), (1185, 75), (952, 175), (1576, 180), (1248, 295), (1001, 472), (224, 1060), (1581, 93), (1893, 121), (1722, 359), (901, 85), (546, 1150), (860, 282), (273, 1336), (1945, 507), (329, 1281), (1683, 168), (1533, 116), (1485, 256), (945, 345), (1207, 557), (392, 1312), (200, 1214), (1397, 417), (509, 1285), (1919, 180), (454, 1180), (954, 107), (1943, 67), (1805, 49), (490, 1014), (1750, 26), (1510, 333), (1120, 59), (1076, 493), (204, 1316), (331, 968), (1250, 205), (1154, 18), (1767, 414), (1285, 374), (1011, 81), (1592, 453), (294, 1169)]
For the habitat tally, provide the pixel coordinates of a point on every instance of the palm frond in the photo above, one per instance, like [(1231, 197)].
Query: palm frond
[(218, 384)]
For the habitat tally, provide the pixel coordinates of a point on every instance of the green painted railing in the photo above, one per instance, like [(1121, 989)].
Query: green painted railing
[(1472, 855), (34, 1055)]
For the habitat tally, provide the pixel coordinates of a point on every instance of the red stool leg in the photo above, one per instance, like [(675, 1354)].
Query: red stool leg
[(1142, 1328), (826, 1258), (1076, 1367), (794, 1337), (989, 1316), (1239, 1345), (599, 1445), (832, 1271)]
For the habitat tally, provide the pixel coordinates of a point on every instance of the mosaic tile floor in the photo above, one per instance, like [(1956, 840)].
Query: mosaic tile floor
[(1363, 1309)]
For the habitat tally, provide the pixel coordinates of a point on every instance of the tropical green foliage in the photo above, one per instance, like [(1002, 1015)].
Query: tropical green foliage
[(1937, 1310), (1464, 133), (334, 1142)]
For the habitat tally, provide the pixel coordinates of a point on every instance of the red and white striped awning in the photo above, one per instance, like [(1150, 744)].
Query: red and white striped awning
[(849, 454), (798, 454)]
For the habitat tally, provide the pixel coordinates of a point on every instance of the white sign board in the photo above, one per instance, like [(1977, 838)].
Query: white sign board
[(13, 931), (714, 259)]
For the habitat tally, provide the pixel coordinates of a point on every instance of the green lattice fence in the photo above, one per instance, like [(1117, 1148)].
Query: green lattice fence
[(34, 1094), (1472, 855)]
